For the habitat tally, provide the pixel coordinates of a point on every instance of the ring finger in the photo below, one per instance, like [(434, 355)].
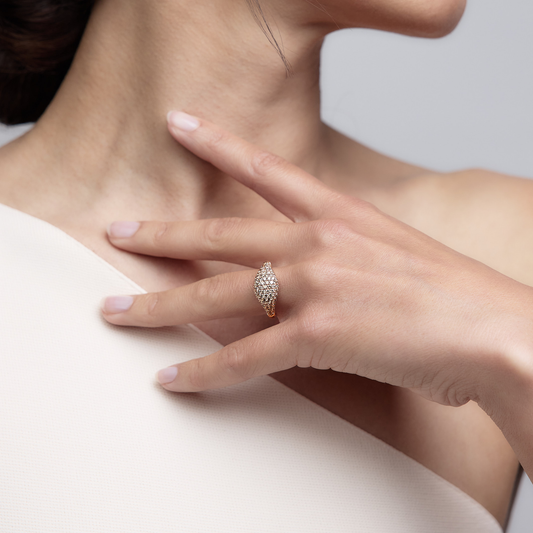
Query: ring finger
[(223, 296)]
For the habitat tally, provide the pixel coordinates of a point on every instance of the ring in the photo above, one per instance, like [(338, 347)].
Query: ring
[(266, 288)]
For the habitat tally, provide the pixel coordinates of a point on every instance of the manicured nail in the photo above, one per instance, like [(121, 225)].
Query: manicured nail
[(117, 304), (182, 121), (122, 230), (167, 375)]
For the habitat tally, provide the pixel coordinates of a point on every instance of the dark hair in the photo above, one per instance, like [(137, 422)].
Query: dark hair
[(259, 16), (38, 40)]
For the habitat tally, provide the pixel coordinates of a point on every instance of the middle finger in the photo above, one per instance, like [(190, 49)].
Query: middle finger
[(244, 241)]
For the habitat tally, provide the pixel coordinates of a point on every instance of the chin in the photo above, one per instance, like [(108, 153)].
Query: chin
[(433, 18), (419, 18)]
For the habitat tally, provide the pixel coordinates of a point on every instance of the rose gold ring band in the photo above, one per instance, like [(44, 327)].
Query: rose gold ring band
[(266, 288)]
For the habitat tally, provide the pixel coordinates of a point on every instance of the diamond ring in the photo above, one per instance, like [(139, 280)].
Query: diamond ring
[(266, 288)]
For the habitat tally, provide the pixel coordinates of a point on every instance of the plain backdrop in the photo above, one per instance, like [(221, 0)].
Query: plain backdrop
[(459, 102)]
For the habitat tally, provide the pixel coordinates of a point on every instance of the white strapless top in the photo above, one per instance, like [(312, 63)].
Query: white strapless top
[(89, 442)]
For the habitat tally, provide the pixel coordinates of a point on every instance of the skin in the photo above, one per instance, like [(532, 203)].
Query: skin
[(102, 153)]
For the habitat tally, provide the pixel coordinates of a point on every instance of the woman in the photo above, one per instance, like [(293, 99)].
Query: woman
[(360, 292)]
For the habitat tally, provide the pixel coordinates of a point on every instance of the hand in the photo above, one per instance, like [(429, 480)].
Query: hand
[(360, 292)]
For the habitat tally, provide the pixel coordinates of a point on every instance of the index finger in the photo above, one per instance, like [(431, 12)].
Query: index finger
[(292, 191)]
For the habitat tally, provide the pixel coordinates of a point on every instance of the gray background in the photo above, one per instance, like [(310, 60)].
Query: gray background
[(458, 102)]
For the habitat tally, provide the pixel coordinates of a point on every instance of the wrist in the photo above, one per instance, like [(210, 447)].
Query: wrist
[(505, 386), (509, 403), (508, 387)]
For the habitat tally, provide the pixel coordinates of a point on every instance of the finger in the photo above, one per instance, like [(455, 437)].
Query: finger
[(244, 241), (262, 353), (291, 190), (223, 296)]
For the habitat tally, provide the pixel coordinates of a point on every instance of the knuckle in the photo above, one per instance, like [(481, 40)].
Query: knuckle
[(215, 139), (152, 306), (160, 233), (210, 293), (217, 232), (209, 289), (329, 233), (317, 273), (314, 328), (337, 203), (263, 163), (236, 361), (320, 279), (196, 374), (353, 208), (365, 211), (203, 291), (305, 329)]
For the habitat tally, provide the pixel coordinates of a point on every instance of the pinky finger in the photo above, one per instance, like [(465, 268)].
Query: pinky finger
[(259, 354)]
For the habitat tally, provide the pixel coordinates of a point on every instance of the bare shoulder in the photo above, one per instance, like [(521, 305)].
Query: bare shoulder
[(483, 214)]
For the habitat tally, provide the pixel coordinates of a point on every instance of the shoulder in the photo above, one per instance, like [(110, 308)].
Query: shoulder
[(485, 215), (482, 214)]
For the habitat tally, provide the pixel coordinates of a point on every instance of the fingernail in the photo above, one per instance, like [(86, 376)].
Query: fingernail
[(122, 230), (167, 375), (182, 121), (116, 304)]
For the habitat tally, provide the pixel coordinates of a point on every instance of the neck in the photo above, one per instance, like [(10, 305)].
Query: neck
[(103, 141)]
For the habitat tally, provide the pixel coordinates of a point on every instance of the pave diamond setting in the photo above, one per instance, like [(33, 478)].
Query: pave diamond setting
[(266, 288)]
